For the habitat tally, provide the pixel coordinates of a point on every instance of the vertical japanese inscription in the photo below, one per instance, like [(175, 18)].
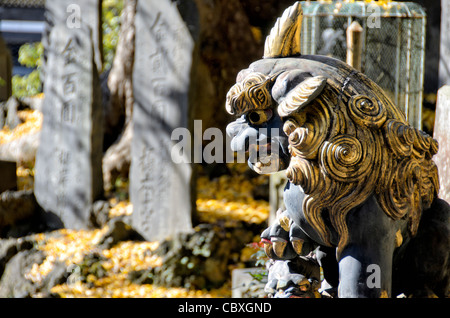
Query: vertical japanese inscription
[(69, 83), (68, 160), (62, 178), (159, 189)]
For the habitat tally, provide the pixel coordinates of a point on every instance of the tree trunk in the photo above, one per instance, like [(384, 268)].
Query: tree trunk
[(116, 160)]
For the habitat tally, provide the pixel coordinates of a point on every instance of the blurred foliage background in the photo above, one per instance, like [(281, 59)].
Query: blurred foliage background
[(30, 55)]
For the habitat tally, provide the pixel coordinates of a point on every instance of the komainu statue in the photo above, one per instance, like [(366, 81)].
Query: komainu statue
[(362, 186)]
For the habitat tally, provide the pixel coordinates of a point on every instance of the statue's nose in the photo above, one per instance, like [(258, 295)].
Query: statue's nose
[(234, 128)]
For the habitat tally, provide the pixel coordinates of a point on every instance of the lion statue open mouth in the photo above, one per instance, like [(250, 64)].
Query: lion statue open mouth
[(361, 179)]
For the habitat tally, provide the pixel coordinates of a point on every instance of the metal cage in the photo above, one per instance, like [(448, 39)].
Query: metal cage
[(393, 44)]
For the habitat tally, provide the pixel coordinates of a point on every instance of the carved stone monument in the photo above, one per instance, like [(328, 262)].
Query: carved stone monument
[(68, 170), (159, 187)]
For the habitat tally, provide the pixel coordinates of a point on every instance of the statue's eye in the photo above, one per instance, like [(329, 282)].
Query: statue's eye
[(258, 117)]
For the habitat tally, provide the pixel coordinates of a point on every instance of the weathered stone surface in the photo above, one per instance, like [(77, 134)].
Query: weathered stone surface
[(160, 188), (20, 149), (17, 257), (13, 283), (9, 110), (74, 14), (68, 171), (442, 135), (12, 246), (118, 231)]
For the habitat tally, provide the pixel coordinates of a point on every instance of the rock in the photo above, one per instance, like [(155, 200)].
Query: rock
[(57, 276), (21, 215), (9, 248), (8, 113), (143, 276), (100, 213), (16, 206), (118, 231), (21, 149), (12, 106), (244, 285), (17, 257), (198, 260), (90, 265), (33, 102), (13, 283)]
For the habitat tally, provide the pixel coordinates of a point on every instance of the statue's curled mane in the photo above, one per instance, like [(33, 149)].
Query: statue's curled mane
[(346, 148)]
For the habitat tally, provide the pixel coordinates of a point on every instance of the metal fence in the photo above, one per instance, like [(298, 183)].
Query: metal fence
[(393, 44)]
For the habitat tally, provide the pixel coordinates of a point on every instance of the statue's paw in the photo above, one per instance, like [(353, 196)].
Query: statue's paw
[(285, 239), (286, 281)]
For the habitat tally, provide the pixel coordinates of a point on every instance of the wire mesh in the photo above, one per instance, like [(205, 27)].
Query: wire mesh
[(393, 49)]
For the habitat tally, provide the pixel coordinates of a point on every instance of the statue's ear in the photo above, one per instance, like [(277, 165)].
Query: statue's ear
[(286, 82), (301, 95), (243, 74)]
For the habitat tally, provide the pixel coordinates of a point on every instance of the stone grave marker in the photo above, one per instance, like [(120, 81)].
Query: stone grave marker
[(159, 187), (5, 71), (442, 135), (68, 170)]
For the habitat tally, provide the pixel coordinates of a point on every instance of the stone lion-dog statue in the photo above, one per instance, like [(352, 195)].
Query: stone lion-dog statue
[(362, 186)]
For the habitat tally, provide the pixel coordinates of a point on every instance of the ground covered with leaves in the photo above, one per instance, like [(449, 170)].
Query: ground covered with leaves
[(101, 263)]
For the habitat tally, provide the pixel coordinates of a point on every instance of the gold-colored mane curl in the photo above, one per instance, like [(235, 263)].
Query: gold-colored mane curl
[(346, 148)]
